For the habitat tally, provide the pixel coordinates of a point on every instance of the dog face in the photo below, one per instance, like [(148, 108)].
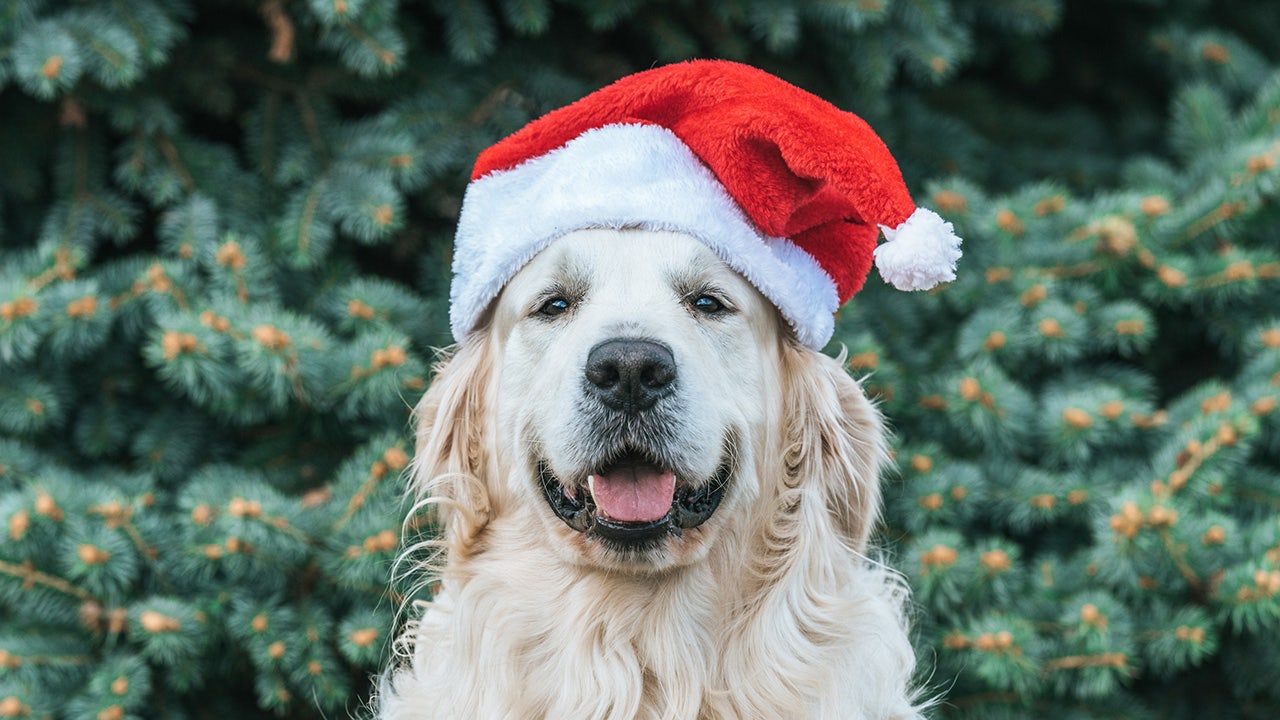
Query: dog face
[(633, 370), (629, 402), (632, 438)]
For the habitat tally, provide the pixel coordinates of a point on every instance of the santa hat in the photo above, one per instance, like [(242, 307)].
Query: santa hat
[(786, 188)]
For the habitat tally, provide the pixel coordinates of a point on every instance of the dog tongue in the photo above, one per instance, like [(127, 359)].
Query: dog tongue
[(633, 493)]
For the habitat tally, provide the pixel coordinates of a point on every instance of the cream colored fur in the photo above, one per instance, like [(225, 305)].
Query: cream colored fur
[(769, 610)]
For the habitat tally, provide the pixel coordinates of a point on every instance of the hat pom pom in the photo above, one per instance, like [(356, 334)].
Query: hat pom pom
[(919, 253)]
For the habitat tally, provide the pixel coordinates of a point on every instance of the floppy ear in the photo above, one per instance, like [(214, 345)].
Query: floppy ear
[(835, 440), (449, 462)]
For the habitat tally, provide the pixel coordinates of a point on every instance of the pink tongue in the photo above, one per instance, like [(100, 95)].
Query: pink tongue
[(634, 493)]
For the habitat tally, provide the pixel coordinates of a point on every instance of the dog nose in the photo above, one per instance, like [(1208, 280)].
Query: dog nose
[(630, 375)]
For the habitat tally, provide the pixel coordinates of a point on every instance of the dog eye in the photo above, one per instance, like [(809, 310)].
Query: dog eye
[(553, 307), (707, 305)]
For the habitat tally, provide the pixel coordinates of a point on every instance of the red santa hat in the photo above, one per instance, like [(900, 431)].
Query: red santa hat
[(786, 188)]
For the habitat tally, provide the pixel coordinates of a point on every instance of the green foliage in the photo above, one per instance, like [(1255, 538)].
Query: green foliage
[(1087, 417), (224, 242)]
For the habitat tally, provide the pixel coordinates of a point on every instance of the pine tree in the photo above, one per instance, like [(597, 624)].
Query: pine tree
[(224, 242), (1089, 484)]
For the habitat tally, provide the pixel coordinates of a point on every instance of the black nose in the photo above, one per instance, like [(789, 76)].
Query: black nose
[(630, 375)]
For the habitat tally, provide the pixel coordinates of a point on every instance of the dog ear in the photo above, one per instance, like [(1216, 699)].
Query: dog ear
[(449, 462), (835, 440)]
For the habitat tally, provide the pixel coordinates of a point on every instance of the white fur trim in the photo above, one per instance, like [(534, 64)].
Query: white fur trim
[(621, 176), (919, 253)]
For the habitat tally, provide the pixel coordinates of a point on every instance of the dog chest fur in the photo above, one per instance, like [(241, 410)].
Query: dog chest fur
[(693, 645)]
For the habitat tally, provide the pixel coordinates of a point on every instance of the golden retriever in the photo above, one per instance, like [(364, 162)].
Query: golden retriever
[(653, 502)]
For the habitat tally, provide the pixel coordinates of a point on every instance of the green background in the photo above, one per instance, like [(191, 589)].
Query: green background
[(225, 230)]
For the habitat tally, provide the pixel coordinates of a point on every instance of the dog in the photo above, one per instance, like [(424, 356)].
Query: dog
[(652, 502)]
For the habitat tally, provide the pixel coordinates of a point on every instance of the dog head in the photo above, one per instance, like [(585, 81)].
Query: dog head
[(629, 399)]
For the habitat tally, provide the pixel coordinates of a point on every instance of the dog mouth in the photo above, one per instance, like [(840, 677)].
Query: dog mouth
[(633, 498)]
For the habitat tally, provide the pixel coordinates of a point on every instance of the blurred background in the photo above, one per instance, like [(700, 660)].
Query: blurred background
[(225, 235)]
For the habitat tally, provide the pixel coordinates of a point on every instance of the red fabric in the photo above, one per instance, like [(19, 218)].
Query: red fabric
[(799, 167)]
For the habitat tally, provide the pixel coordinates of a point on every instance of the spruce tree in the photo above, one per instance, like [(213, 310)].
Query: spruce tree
[(224, 244)]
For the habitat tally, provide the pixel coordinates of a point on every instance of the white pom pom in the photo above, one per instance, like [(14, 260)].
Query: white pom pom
[(919, 253)]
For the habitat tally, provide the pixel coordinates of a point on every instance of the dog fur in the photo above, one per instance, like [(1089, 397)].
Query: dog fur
[(771, 609)]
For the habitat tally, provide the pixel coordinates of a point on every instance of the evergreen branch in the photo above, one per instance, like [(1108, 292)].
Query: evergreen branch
[(1220, 214), (104, 208), (1179, 558), (292, 368), (138, 159), (1117, 660), (135, 28), (308, 212), (1179, 477), (159, 282), (56, 659), (115, 301), (1237, 272), (62, 269), (282, 31), (73, 216), (358, 499), (1062, 272), (299, 91), (170, 153), (1234, 273), (281, 523), (1258, 496), (242, 287), (31, 577), (490, 104), (71, 114), (119, 516), (106, 51), (148, 551), (387, 57), (311, 123)]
